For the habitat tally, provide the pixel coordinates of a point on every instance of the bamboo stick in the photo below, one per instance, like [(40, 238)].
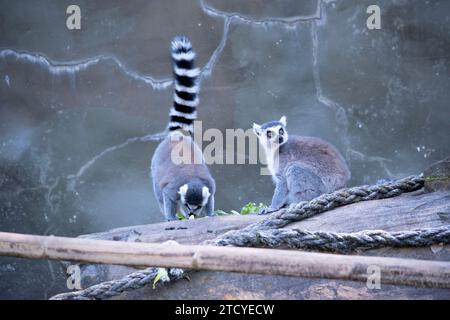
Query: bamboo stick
[(411, 272)]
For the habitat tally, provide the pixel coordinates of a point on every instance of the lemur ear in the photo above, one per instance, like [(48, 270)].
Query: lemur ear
[(256, 129), (283, 120), (205, 192), (183, 190)]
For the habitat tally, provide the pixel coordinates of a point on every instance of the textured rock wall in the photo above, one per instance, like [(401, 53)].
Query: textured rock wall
[(76, 106)]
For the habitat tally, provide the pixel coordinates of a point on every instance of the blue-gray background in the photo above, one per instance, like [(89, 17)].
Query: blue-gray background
[(74, 105)]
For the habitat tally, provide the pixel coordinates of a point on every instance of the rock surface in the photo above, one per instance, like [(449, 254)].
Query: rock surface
[(407, 212), (437, 176)]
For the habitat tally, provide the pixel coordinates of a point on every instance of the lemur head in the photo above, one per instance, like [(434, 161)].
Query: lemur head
[(194, 196), (272, 134)]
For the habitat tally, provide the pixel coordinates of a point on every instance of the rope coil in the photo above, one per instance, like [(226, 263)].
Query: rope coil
[(112, 288), (348, 242), (325, 202)]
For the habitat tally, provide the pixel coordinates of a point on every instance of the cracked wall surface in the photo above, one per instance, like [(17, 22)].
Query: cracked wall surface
[(79, 110)]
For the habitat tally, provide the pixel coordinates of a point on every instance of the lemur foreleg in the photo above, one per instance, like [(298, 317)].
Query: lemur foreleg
[(279, 198)]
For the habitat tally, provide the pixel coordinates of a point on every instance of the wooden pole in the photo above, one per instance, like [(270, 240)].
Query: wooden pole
[(419, 273)]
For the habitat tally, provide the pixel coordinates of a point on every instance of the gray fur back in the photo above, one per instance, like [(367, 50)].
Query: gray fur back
[(167, 174), (317, 155)]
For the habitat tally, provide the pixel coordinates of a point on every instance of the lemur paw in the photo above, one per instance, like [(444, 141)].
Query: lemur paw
[(266, 210)]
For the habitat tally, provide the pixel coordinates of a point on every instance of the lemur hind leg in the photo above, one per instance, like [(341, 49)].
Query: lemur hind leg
[(170, 208), (303, 184), (210, 207)]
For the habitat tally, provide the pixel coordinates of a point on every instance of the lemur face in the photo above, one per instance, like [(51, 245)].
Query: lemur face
[(193, 199), (272, 134)]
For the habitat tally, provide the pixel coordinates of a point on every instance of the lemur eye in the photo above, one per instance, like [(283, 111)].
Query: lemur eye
[(269, 134), (281, 131)]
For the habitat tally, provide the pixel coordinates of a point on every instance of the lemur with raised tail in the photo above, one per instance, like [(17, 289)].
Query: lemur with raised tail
[(302, 168), (185, 183)]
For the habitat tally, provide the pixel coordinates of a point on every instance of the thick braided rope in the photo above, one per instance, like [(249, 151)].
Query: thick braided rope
[(325, 202), (108, 289), (348, 242), (251, 233)]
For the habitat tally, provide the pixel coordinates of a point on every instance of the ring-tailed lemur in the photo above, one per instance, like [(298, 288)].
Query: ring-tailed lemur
[(183, 183), (301, 167)]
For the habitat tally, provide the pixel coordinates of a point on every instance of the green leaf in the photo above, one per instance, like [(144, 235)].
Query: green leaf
[(180, 216), (251, 208), (162, 272)]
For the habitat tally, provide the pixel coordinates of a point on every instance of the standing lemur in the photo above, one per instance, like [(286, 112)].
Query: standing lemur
[(184, 183), (301, 167)]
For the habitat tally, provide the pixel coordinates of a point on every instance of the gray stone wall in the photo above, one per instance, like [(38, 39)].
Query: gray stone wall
[(76, 105)]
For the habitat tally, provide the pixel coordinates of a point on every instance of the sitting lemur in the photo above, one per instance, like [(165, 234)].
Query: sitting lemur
[(302, 168)]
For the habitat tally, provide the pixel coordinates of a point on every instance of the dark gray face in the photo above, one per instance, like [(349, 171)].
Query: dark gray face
[(272, 133), (193, 198)]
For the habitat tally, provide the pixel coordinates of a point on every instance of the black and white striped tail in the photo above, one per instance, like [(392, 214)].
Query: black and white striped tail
[(185, 98)]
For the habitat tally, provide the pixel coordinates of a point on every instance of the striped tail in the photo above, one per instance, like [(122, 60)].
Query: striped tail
[(185, 98)]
